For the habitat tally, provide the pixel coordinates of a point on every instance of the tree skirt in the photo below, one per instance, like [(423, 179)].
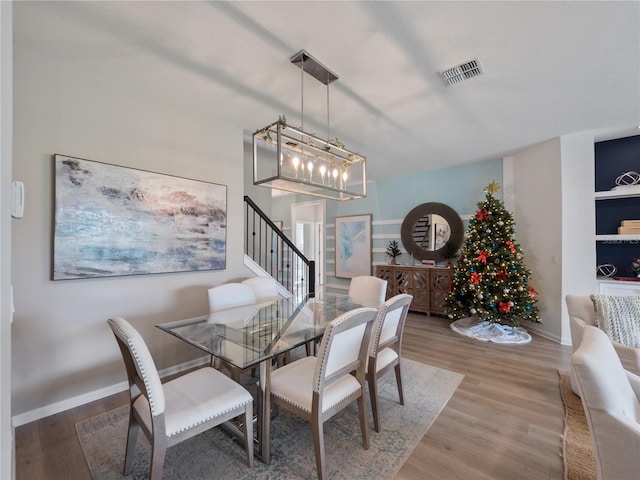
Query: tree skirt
[(490, 332)]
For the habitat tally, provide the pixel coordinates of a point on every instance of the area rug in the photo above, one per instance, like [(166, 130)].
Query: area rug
[(577, 449), (214, 454)]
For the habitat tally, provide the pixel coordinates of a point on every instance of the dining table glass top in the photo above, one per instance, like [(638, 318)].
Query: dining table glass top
[(245, 336)]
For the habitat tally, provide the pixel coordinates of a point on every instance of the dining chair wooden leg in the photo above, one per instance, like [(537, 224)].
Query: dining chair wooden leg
[(362, 413), (158, 452), (132, 438), (399, 382), (248, 434), (216, 362), (317, 429), (373, 395)]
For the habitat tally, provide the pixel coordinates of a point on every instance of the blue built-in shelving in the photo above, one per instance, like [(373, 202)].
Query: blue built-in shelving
[(613, 158)]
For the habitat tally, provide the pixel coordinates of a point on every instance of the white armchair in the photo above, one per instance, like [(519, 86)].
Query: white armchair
[(611, 399), (581, 314)]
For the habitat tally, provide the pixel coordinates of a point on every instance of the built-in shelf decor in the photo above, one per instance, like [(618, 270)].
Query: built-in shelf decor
[(112, 220)]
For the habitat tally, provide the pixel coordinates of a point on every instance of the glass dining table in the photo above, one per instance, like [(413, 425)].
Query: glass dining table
[(254, 335)]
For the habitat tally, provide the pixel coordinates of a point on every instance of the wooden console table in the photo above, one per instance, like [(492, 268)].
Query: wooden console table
[(428, 285)]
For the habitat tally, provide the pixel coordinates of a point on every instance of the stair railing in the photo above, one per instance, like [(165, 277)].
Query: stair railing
[(270, 248)]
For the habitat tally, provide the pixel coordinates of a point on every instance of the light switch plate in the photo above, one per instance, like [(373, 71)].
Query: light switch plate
[(17, 200)]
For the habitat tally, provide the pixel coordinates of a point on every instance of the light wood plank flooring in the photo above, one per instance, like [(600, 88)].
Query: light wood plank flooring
[(504, 422)]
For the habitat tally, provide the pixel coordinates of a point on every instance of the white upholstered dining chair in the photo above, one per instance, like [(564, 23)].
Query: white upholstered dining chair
[(230, 295), (611, 399), (368, 291), (385, 348), (178, 409), (316, 388), (224, 297), (265, 288)]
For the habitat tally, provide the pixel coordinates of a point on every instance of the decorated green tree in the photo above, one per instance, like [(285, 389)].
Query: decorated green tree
[(490, 280)]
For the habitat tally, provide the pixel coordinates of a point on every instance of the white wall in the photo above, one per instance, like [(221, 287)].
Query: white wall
[(578, 221), (7, 464), (537, 201), (552, 190), (109, 102)]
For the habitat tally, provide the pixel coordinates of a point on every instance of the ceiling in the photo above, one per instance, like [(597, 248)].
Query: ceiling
[(550, 68)]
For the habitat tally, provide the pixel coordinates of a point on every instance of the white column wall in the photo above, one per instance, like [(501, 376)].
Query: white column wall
[(537, 195), (552, 190), (578, 220)]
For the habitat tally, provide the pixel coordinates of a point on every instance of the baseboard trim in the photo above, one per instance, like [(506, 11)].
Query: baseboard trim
[(73, 402), (542, 333)]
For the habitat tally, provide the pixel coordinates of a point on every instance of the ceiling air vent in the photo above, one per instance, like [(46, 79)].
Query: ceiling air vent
[(460, 73)]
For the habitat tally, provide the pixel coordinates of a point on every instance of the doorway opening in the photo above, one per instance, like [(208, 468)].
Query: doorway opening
[(307, 222)]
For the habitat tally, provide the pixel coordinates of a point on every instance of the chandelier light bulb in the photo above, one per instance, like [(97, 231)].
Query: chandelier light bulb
[(310, 168)]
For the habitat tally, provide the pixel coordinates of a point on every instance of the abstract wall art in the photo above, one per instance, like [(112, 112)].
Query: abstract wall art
[(353, 246), (112, 220)]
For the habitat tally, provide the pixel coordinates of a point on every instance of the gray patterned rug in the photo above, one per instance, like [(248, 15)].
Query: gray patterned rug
[(214, 454)]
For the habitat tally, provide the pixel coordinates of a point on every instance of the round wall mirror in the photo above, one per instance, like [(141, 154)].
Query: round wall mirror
[(431, 230)]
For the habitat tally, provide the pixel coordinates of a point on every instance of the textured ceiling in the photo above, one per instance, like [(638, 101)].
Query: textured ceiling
[(551, 68)]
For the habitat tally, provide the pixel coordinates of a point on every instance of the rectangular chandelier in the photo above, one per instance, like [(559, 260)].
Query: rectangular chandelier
[(286, 158), (290, 159)]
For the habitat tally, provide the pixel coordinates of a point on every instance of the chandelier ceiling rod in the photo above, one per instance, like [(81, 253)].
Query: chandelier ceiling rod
[(302, 93), (328, 135), (318, 71)]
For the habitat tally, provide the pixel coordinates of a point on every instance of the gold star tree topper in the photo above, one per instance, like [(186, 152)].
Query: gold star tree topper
[(492, 188)]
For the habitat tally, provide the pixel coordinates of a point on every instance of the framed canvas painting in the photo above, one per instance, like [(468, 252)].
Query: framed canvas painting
[(112, 221), (353, 246)]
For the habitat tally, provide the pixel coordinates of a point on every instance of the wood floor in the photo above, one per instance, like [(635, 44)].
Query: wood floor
[(504, 422)]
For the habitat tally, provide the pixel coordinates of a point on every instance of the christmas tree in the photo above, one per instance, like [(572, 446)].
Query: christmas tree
[(490, 279)]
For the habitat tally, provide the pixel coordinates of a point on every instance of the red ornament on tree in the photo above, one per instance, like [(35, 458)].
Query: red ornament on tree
[(505, 307), (482, 215), (475, 278), (511, 246), (482, 256)]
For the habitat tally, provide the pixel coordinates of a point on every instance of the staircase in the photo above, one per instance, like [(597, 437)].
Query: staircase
[(269, 249)]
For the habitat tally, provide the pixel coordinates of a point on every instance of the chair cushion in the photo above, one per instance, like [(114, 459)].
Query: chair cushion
[(619, 318), (293, 383), (195, 398)]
